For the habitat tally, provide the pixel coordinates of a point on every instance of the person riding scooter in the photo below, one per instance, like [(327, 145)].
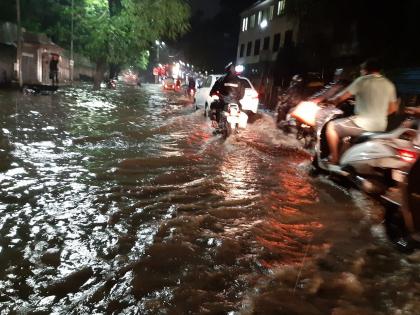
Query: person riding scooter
[(229, 88), (191, 87), (375, 96), (178, 84)]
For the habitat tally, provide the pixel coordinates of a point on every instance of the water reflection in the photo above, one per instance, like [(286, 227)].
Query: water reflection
[(123, 201)]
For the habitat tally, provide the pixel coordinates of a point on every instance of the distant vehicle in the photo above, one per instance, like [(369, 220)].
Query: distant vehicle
[(168, 84), (249, 102), (130, 78)]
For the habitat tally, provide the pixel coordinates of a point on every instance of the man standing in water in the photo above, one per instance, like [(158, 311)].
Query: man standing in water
[(54, 69)]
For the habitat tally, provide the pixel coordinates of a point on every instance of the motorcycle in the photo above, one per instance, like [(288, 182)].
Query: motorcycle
[(373, 161), (229, 120), (297, 91), (385, 165)]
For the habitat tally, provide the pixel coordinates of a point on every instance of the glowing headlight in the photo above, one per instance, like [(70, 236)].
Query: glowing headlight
[(239, 69)]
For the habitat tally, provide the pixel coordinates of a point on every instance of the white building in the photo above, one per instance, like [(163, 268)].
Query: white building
[(265, 29)]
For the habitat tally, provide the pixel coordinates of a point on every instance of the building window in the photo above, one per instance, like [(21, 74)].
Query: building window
[(266, 45), (281, 7), (271, 13), (288, 38), (257, 47), (242, 50), (252, 21), (244, 24), (260, 14), (248, 49), (276, 42)]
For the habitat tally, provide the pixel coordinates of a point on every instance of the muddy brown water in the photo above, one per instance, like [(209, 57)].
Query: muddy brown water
[(123, 202)]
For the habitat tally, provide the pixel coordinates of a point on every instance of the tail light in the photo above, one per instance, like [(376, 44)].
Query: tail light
[(254, 94), (407, 156)]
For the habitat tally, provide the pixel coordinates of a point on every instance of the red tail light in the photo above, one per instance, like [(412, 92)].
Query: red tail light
[(254, 94), (406, 155)]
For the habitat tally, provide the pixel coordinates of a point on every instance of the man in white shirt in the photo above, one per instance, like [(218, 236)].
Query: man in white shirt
[(375, 99)]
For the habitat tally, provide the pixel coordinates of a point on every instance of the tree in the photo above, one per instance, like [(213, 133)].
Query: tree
[(107, 31), (120, 32)]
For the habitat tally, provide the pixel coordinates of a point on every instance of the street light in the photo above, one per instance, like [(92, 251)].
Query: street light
[(71, 43), (19, 44), (264, 24), (159, 45)]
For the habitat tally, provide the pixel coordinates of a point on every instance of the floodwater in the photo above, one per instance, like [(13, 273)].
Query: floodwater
[(123, 202)]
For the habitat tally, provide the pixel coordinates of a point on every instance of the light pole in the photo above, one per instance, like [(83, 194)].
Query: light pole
[(158, 46), (71, 43), (19, 44)]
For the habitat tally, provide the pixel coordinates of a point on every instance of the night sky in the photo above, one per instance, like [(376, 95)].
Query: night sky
[(209, 7), (212, 40)]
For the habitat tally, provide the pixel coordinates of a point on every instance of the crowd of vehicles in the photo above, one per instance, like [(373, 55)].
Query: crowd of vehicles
[(379, 164)]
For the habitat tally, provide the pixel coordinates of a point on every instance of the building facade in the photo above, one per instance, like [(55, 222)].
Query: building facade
[(265, 30), (36, 56)]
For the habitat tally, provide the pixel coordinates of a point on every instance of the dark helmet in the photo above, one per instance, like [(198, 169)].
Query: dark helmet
[(371, 65)]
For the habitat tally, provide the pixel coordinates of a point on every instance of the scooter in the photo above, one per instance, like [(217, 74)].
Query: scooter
[(232, 119), (372, 161)]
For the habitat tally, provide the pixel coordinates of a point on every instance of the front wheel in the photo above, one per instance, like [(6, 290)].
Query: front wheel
[(315, 170), (226, 128), (413, 194)]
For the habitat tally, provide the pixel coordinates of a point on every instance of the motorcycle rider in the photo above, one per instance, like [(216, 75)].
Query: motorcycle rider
[(230, 88), (191, 85), (375, 99), (178, 84)]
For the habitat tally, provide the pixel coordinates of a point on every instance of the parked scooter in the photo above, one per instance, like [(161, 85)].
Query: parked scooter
[(372, 161)]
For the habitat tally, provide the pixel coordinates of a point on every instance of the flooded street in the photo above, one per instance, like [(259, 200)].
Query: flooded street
[(123, 202)]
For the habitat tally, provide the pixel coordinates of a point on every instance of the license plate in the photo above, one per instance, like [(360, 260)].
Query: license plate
[(398, 176), (232, 119)]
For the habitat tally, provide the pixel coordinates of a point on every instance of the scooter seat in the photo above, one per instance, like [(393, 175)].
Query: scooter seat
[(365, 137)]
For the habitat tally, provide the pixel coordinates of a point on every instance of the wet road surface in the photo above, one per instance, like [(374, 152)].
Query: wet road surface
[(123, 202)]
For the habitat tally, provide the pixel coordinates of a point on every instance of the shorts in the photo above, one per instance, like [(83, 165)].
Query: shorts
[(346, 127)]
